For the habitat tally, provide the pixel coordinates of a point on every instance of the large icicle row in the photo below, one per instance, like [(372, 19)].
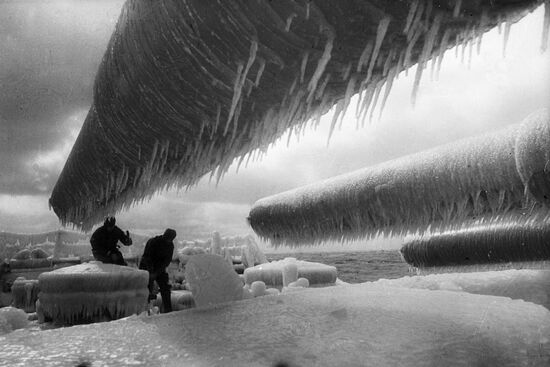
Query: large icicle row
[(210, 81)]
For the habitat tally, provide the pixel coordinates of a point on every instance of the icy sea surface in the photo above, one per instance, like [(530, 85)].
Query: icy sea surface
[(356, 267)]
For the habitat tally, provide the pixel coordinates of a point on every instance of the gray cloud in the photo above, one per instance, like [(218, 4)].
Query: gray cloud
[(49, 53)]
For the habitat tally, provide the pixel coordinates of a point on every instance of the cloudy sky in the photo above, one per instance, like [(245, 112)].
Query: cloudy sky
[(48, 57)]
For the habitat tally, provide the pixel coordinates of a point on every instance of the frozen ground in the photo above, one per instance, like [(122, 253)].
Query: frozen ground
[(355, 325), (531, 285)]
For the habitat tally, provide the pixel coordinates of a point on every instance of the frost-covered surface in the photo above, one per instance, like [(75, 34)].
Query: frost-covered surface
[(488, 174), (272, 273), (212, 280), (180, 93), (527, 284), (504, 241), (92, 291), (356, 325)]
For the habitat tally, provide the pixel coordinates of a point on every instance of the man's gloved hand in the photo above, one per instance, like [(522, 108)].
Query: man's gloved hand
[(128, 239)]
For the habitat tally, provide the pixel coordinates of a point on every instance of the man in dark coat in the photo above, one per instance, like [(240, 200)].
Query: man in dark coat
[(104, 242), (156, 258)]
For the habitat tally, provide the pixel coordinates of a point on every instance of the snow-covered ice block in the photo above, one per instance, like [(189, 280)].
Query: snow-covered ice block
[(25, 293), (92, 292), (526, 284), (272, 273), (12, 318), (212, 280), (356, 325)]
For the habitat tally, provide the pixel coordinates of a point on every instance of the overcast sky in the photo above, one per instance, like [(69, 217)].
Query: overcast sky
[(49, 54)]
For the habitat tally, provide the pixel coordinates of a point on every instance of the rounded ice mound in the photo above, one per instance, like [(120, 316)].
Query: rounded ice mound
[(92, 292), (258, 288), (12, 318), (532, 154), (271, 273)]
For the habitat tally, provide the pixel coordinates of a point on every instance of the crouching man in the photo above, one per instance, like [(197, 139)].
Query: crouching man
[(104, 242), (156, 258)]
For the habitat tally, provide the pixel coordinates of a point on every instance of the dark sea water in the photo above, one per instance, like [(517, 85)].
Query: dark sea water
[(356, 267)]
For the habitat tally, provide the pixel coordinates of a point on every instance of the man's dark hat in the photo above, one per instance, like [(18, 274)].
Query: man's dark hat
[(169, 234)]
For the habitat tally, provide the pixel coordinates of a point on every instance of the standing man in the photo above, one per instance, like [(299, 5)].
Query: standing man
[(156, 258), (104, 242)]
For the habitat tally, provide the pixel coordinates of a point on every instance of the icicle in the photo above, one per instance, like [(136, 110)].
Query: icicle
[(470, 48), (546, 26), (408, 51), (426, 52), (388, 61), (239, 83), (380, 34), (292, 86), (456, 11), (442, 49), (321, 65), (365, 104), (376, 96), (507, 28), (481, 29), (289, 21), (321, 90), (463, 53), (358, 105), (303, 66), (307, 10), (349, 92), (410, 15), (260, 72), (389, 84), (400, 62), (417, 23), (289, 136), (364, 55), (432, 68), (337, 111), (236, 94), (346, 72)]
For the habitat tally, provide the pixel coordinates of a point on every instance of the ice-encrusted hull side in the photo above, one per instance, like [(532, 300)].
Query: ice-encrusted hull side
[(488, 175)]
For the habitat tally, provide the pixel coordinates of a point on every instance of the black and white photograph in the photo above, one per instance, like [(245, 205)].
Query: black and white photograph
[(277, 183)]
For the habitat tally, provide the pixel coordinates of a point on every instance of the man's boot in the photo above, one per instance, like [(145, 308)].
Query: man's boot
[(166, 301)]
